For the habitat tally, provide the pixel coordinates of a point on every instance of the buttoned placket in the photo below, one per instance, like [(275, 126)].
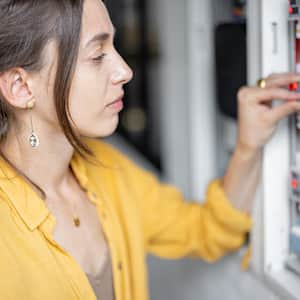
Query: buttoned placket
[(108, 232), (106, 222), (115, 240), (107, 217)]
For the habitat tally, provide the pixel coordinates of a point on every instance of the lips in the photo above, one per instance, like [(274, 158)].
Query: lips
[(117, 100)]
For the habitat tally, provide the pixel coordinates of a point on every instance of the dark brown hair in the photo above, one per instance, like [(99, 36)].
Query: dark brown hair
[(26, 27)]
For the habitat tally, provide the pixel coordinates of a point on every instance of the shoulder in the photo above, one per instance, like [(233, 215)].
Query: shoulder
[(116, 166), (115, 160)]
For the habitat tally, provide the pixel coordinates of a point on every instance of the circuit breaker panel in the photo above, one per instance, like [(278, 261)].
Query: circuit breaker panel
[(274, 46), (293, 261)]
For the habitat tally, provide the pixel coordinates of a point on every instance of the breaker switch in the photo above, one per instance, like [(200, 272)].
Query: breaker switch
[(293, 86), (295, 183), (293, 10), (294, 7)]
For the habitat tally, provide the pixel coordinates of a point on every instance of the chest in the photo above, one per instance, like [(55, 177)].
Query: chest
[(86, 243)]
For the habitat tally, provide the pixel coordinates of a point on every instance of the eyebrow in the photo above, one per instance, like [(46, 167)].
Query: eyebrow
[(100, 37)]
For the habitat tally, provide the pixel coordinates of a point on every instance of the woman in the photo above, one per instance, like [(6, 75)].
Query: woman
[(78, 217)]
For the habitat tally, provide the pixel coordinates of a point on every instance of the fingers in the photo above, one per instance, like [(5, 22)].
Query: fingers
[(259, 95), (281, 79), (283, 110)]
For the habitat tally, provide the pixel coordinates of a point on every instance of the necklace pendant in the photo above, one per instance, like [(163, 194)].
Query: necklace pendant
[(76, 222)]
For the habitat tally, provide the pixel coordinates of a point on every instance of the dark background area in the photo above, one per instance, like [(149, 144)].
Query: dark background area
[(140, 48)]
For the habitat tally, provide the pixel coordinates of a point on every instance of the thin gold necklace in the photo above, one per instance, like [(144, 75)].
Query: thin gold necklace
[(42, 194), (75, 216)]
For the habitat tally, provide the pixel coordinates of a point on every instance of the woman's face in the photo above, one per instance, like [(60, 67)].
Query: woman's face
[(98, 81), (99, 76)]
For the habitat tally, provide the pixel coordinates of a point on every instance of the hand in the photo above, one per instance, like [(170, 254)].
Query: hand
[(257, 118)]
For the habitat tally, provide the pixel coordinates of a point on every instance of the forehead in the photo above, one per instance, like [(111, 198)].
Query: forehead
[(95, 19)]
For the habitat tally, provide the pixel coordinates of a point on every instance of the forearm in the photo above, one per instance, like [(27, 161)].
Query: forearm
[(241, 178)]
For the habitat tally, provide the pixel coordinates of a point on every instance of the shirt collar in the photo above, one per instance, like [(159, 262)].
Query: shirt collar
[(28, 204)]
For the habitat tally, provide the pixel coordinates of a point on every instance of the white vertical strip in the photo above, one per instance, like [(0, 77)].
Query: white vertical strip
[(202, 110), (174, 93), (275, 58), (254, 72)]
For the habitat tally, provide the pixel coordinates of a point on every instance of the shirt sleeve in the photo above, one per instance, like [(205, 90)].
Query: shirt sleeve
[(174, 227)]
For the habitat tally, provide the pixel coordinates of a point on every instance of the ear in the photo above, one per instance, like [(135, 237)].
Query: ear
[(15, 88)]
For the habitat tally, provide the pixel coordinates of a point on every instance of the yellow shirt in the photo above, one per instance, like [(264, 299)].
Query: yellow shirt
[(139, 215)]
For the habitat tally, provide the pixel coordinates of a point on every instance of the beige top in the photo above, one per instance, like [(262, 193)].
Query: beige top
[(102, 283)]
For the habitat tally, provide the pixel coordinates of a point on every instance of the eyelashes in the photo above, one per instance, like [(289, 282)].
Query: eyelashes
[(99, 58)]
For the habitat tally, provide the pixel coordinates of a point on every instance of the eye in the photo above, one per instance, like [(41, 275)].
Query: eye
[(99, 58)]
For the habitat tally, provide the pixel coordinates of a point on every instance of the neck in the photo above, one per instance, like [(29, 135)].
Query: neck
[(46, 166)]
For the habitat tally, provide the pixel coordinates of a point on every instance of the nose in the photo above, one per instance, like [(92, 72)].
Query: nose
[(122, 73)]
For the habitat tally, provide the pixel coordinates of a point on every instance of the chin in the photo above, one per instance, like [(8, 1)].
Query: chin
[(104, 129)]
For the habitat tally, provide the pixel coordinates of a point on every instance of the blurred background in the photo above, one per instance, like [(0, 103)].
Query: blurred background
[(189, 59)]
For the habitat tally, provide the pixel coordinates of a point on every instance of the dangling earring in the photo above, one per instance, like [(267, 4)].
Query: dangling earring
[(33, 138)]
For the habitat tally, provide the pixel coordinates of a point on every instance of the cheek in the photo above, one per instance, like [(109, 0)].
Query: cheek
[(88, 97), (88, 92)]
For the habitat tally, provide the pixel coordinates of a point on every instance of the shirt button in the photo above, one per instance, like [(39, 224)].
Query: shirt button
[(120, 266)]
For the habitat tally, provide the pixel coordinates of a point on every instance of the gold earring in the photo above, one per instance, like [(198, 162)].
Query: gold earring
[(34, 140), (30, 104)]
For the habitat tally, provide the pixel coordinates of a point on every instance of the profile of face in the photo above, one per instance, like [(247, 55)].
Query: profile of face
[(99, 76)]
